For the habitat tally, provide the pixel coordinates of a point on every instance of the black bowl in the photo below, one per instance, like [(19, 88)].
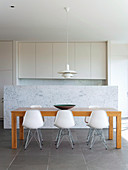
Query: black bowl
[(64, 106)]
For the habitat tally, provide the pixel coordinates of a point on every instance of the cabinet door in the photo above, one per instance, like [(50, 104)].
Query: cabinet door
[(98, 60), (60, 58), (82, 60), (26, 60), (43, 60), (6, 55)]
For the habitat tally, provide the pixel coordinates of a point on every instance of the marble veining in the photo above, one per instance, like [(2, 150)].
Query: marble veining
[(49, 95)]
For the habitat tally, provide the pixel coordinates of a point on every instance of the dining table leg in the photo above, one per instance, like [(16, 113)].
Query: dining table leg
[(14, 131), (118, 131), (21, 128), (110, 127)]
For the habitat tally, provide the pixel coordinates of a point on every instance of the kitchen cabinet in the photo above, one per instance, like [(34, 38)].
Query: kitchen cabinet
[(60, 58), (27, 60), (43, 60), (98, 60), (82, 60)]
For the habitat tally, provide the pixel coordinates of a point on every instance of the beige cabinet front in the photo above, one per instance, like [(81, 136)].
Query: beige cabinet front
[(82, 60), (60, 58), (43, 60), (98, 60), (26, 60)]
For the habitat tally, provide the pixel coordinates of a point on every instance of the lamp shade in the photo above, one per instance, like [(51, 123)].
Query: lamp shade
[(67, 73)]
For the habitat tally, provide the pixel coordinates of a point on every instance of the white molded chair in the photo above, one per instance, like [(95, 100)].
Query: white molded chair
[(87, 119), (98, 120), (33, 120), (64, 121)]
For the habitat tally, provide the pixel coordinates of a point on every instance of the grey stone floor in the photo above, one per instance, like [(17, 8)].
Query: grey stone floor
[(64, 158)]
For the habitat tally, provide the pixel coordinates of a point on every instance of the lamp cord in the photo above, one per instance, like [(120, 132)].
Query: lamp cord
[(67, 36)]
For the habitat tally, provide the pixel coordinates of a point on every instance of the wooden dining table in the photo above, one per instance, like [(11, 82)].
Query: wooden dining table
[(83, 112)]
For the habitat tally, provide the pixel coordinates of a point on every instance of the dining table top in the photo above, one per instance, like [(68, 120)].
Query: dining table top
[(73, 109)]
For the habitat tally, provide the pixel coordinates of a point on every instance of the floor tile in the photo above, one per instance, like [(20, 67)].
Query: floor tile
[(30, 160), (67, 167), (28, 167), (3, 167), (65, 149), (66, 159)]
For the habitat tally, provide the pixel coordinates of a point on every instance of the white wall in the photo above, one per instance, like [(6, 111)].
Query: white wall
[(119, 74), (6, 48)]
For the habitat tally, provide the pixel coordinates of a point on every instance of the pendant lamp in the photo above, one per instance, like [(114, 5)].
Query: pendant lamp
[(67, 73)]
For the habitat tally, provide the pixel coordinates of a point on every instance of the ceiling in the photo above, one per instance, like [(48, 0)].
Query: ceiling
[(45, 20)]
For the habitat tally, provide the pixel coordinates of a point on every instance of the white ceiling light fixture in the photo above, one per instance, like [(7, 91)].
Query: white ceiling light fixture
[(67, 73)]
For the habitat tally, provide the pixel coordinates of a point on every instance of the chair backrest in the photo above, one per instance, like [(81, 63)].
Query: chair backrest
[(98, 119), (64, 119), (35, 106), (92, 107), (33, 119)]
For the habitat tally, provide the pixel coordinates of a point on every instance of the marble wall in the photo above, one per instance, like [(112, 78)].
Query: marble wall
[(48, 95)]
